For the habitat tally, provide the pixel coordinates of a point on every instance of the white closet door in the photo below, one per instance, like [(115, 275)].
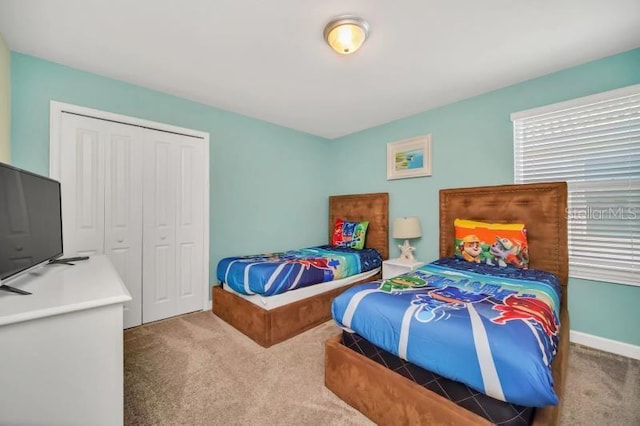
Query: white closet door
[(82, 185), (190, 226), (101, 181), (123, 212), (173, 224), (138, 196)]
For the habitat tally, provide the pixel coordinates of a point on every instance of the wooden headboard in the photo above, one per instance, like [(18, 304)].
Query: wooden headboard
[(542, 207), (358, 207)]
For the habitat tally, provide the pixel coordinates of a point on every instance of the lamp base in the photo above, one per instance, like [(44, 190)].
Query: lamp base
[(406, 253)]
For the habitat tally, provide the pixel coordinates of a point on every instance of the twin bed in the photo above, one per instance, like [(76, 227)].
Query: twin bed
[(390, 397), (270, 320)]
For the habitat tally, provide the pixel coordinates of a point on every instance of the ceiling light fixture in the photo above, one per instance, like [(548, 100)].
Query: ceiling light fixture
[(346, 34)]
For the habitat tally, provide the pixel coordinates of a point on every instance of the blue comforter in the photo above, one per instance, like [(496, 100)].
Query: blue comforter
[(275, 273), (494, 329)]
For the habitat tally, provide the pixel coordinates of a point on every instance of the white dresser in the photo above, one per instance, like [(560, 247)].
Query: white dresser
[(61, 348)]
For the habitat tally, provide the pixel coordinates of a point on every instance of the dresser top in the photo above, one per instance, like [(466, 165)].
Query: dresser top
[(58, 289)]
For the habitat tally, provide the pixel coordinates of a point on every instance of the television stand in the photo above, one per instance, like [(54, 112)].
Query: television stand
[(68, 260), (64, 339), (13, 289)]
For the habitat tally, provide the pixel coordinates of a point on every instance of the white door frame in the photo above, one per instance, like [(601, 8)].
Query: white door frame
[(55, 118)]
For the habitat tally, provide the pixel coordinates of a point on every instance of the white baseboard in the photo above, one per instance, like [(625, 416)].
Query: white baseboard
[(603, 344)]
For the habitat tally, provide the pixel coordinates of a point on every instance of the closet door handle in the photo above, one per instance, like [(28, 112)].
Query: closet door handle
[(120, 240), (163, 237)]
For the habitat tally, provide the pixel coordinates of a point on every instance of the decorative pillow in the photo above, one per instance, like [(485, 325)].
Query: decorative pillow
[(499, 244), (349, 234)]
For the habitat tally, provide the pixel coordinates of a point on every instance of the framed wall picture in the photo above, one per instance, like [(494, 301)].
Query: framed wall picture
[(409, 158)]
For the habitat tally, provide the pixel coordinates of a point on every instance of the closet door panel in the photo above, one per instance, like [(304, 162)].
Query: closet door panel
[(123, 213), (159, 218), (82, 185), (189, 226)]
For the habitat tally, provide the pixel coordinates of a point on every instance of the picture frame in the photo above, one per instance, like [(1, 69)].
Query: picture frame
[(409, 158)]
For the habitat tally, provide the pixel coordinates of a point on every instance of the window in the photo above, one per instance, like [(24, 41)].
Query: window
[(592, 143)]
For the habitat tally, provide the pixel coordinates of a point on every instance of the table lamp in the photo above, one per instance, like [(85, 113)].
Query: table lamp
[(407, 228)]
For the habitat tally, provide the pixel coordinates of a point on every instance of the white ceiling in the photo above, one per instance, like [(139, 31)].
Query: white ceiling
[(267, 59)]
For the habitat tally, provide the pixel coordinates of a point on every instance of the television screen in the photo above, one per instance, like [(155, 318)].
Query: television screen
[(30, 220)]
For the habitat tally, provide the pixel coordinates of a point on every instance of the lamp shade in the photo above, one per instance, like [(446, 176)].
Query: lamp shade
[(407, 227)]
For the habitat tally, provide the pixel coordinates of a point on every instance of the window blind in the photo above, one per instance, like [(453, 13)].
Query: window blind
[(593, 144)]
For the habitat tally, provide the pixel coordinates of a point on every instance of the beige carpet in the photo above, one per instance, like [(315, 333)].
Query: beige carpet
[(198, 370)]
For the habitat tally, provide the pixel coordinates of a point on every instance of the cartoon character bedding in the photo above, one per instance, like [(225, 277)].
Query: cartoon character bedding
[(493, 329), (274, 273)]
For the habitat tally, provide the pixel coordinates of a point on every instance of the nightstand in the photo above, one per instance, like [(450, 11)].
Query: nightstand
[(394, 267)]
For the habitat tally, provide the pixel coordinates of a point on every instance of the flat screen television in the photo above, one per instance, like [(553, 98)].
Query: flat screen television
[(30, 221)]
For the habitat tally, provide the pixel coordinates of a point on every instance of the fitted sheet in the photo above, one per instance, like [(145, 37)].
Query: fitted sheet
[(272, 302)]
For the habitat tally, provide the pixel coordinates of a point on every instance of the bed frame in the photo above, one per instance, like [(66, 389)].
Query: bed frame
[(268, 327), (389, 398)]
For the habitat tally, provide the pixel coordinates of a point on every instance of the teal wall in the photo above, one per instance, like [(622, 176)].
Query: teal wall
[(251, 160), (473, 145), (262, 175), (5, 101)]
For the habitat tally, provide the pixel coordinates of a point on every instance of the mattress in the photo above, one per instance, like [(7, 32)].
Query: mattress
[(272, 302), (497, 412), (274, 273), (494, 329)]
